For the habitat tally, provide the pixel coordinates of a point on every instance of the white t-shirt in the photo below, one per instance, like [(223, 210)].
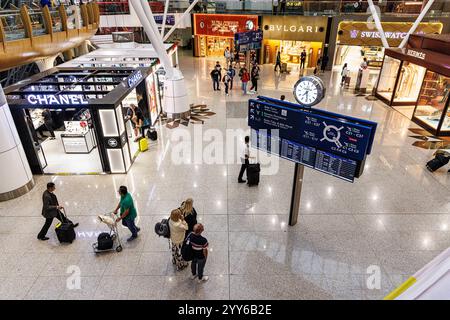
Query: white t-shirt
[(245, 152)]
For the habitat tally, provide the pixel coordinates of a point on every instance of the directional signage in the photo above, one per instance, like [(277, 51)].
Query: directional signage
[(249, 40), (343, 138), (322, 140)]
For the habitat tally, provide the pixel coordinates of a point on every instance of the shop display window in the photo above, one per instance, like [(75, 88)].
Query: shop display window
[(131, 129), (433, 100), (387, 77), (409, 81)]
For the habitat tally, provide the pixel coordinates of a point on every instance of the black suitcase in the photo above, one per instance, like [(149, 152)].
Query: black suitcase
[(104, 241), (441, 159), (152, 135), (253, 171), (65, 231)]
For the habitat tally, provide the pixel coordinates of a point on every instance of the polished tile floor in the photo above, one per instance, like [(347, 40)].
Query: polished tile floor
[(395, 217)]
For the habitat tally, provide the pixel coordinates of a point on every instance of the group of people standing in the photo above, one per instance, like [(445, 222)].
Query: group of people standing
[(183, 224), (227, 78), (320, 65)]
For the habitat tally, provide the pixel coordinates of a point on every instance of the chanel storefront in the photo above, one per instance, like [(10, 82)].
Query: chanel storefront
[(291, 35), (79, 120)]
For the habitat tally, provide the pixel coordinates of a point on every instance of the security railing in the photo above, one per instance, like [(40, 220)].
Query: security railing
[(288, 7)]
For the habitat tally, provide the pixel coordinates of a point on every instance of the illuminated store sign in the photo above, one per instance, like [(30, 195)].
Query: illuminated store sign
[(416, 54), (294, 28), (134, 79), (358, 33), (51, 99)]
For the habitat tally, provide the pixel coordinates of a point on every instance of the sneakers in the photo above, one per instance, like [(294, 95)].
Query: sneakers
[(203, 279), (193, 276), (43, 239), (242, 181)]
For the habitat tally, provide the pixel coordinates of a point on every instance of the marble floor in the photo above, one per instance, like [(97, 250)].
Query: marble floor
[(395, 217)]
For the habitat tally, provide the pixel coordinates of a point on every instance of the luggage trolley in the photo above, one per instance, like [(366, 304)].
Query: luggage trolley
[(110, 220)]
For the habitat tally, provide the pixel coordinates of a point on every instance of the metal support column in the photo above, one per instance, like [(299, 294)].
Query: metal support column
[(296, 194), (416, 23)]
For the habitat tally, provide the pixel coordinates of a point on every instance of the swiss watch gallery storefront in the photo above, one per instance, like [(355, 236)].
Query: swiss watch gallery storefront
[(79, 120)]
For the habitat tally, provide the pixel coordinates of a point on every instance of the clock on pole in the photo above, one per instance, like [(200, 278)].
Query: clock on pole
[(309, 91)]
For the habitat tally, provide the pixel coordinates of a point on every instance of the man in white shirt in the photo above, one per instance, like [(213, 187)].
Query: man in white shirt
[(245, 159)]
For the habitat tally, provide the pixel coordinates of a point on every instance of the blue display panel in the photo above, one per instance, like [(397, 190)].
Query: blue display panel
[(340, 137), (249, 40)]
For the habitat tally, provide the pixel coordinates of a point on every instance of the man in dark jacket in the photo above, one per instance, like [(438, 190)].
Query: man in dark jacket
[(215, 76), (51, 209)]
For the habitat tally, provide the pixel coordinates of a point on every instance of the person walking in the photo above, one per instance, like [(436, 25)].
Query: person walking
[(236, 59), (227, 55), (226, 82), (245, 78), (189, 214), (50, 210), (215, 76), (278, 61), (344, 73), (178, 228), (200, 248), (137, 120), (324, 63), (255, 77), (232, 73), (302, 59), (127, 212), (283, 6), (275, 7), (283, 97), (245, 159), (48, 123)]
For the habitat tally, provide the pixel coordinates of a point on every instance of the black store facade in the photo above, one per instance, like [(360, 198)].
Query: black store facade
[(78, 120)]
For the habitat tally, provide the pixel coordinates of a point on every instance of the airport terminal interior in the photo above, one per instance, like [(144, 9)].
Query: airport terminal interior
[(362, 237)]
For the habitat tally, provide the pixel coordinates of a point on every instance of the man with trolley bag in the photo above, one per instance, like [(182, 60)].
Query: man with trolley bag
[(50, 210), (127, 212)]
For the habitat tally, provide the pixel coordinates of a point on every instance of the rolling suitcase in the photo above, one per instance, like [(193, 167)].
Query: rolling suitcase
[(441, 159), (143, 144), (253, 171), (65, 231), (152, 135)]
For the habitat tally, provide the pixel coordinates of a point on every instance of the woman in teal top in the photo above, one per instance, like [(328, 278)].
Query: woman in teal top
[(127, 212)]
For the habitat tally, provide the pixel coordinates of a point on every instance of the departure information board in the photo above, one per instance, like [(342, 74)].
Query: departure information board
[(340, 137), (309, 156)]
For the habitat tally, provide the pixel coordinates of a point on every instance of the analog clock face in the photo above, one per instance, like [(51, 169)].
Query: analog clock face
[(309, 91)]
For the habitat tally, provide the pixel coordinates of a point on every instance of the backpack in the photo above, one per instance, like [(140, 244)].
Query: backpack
[(162, 228), (187, 253)]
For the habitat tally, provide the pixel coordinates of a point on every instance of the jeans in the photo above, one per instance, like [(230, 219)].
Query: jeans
[(197, 267), (48, 223), (302, 64), (243, 169), (244, 87), (277, 65), (129, 223), (231, 84), (216, 84), (254, 85), (226, 88)]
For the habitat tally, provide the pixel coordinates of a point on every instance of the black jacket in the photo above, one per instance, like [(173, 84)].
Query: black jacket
[(50, 204)]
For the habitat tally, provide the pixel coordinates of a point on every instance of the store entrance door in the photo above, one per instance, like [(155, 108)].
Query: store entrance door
[(65, 141)]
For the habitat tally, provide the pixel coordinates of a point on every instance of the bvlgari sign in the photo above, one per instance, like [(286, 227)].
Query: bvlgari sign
[(299, 28)]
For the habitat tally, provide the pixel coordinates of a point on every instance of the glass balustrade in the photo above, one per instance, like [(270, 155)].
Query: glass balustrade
[(13, 26)]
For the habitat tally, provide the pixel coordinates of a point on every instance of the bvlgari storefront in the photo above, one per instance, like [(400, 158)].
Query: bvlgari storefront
[(291, 35)]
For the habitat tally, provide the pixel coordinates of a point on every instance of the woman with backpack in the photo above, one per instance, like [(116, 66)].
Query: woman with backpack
[(178, 227), (189, 214)]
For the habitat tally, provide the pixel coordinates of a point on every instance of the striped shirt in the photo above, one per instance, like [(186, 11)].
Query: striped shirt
[(198, 244)]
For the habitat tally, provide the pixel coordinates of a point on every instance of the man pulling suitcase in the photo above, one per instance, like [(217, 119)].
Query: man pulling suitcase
[(251, 169), (50, 210)]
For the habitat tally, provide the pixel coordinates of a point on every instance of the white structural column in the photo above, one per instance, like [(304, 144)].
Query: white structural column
[(16, 178), (377, 21), (180, 20), (416, 23), (176, 102), (46, 63), (166, 8)]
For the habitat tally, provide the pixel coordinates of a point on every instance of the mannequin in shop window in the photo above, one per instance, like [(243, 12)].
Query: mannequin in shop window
[(137, 120)]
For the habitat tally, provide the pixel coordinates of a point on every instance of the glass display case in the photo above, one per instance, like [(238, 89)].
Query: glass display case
[(409, 82), (432, 104), (388, 77)]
